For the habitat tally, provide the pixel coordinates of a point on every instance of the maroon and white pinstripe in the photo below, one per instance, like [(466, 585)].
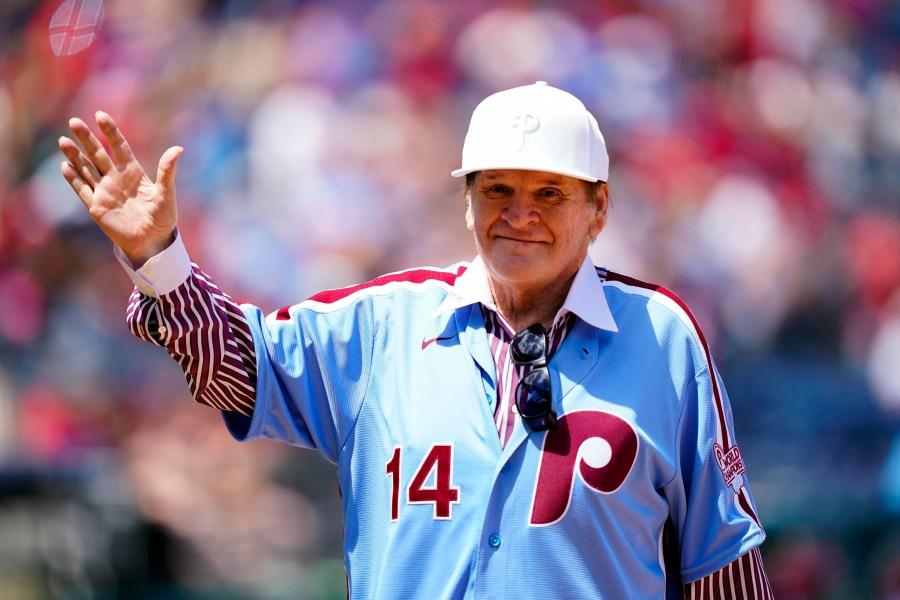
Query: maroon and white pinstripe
[(742, 579), (206, 332)]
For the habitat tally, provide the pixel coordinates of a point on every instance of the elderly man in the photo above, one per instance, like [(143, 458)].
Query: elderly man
[(524, 425)]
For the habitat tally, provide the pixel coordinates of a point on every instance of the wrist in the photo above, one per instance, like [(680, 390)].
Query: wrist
[(138, 255)]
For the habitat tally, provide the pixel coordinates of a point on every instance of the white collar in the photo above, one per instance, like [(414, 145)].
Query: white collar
[(585, 298)]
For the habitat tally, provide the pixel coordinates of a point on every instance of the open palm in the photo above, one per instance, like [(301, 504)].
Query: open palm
[(137, 214)]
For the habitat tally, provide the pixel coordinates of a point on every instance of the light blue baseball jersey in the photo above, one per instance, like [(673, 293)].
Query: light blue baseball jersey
[(393, 380)]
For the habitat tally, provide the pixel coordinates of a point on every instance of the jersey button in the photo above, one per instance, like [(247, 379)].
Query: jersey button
[(494, 540)]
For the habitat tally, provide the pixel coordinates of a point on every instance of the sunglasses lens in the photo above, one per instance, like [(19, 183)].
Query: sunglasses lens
[(528, 346), (533, 396), (536, 399)]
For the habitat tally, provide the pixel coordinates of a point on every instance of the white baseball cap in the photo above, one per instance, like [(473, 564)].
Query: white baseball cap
[(538, 128)]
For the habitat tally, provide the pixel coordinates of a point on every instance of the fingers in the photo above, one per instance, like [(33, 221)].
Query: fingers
[(117, 144), (85, 169), (84, 191), (168, 167), (93, 149)]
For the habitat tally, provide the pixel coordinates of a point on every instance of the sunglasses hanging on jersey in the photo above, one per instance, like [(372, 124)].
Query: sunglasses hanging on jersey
[(534, 398)]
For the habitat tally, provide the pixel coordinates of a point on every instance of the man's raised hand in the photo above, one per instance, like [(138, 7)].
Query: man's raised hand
[(137, 214)]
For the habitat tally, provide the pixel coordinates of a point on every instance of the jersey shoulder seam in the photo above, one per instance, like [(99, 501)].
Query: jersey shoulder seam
[(660, 296), (632, 285)]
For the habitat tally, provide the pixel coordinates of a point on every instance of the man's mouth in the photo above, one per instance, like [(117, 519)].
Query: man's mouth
[(520, 240)]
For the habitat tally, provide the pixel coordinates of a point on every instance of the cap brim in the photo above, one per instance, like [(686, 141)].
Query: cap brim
[(576, 175)]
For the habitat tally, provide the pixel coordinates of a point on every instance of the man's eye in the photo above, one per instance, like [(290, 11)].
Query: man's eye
[(549, 192)]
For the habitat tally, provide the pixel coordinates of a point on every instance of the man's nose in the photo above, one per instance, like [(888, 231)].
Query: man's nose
[(521, 211)]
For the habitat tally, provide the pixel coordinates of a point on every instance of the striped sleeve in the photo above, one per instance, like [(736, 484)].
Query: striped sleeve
[(207, 334), (743, 579)]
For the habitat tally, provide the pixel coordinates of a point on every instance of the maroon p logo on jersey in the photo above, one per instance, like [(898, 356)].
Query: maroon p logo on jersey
[(601, 447)]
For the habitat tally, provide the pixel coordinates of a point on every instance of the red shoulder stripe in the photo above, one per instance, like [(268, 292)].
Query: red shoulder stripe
[(611, 276), (744, 501), (412, 276)]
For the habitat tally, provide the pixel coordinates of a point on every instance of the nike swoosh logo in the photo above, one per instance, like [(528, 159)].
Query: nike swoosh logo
[(426, 343)]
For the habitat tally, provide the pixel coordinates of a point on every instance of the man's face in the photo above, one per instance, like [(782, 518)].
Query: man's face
[(533, 228)]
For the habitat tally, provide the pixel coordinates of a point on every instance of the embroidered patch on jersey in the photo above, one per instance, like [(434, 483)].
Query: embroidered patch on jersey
[(731, 464)]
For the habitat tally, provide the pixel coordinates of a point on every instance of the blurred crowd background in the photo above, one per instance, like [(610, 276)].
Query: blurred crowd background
[(755, 150)]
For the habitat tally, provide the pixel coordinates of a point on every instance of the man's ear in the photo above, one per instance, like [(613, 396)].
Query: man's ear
[(470, 218), (601, 206)]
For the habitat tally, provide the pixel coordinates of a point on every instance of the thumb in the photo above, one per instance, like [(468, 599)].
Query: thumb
[(168, 167)]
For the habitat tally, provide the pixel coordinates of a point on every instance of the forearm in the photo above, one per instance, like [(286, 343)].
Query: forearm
[(205, 332), (203, 329)]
